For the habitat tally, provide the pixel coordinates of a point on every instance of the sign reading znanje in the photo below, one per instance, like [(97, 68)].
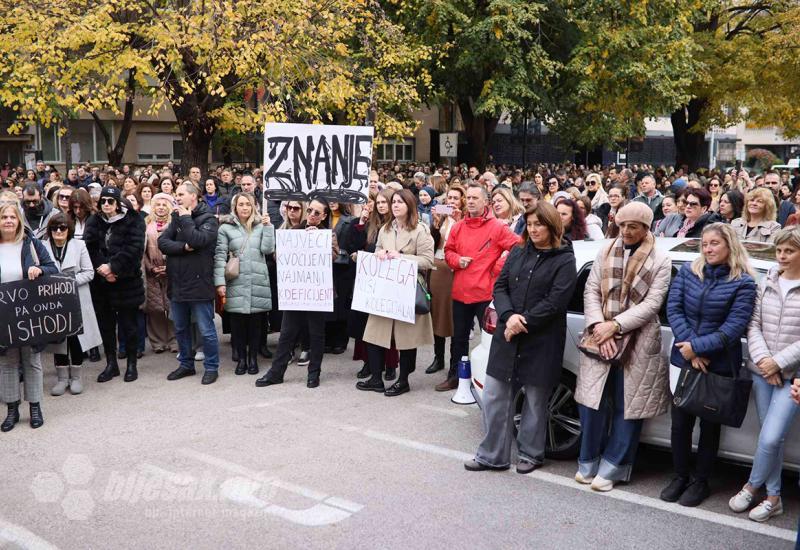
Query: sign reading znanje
[(305, 269), (386, 288), (305, 161)]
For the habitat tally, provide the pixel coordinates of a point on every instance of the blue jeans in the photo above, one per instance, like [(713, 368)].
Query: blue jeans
[(776, 411), (203, 314), (608, 453)]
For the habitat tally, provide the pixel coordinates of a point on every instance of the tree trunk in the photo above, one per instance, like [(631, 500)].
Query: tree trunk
[(689, 145), (196, 145), (114, 152), (480, 129)]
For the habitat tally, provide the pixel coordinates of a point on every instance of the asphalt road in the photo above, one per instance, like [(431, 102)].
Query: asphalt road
[(163, 464)]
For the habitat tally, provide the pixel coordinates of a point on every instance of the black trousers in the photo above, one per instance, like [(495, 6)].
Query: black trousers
[(291, 329), (463, 315), (74, 355), (107, 320), (707, 445), (246, 333), (376, 356)]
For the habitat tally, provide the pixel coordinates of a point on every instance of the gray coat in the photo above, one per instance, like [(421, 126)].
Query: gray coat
[(78, 264), (250, 291)]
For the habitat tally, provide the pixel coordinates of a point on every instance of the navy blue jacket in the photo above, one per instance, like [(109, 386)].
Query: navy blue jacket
[(698, 313)]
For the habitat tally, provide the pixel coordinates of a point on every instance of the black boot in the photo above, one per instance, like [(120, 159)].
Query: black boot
[(241, 360), (436, 366), (37, 420), (253, 360), (235, 355), (12, 418), (131, 373), (112, 368), (94, 354), (438, 355)]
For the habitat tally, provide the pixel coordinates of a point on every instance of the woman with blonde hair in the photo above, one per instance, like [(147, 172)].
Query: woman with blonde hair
[(758, 219), (506, 207), (21, 257), (594, 190), (160, 329), (709, 307), (249, 237)]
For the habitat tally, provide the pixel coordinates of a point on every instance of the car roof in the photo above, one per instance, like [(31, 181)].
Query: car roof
[(679, 250)]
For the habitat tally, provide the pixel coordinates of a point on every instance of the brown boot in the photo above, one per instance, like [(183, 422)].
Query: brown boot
[(447, 385)]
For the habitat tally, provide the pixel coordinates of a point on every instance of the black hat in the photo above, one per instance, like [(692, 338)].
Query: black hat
[(112, 192)]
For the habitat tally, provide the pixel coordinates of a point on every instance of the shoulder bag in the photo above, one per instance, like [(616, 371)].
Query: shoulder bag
[(712, 397), (232, 265)]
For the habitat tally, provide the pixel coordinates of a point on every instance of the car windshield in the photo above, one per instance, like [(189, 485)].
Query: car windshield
[(757, 251)]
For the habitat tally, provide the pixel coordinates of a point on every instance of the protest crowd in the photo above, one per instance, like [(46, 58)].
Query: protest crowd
[(157, 255)]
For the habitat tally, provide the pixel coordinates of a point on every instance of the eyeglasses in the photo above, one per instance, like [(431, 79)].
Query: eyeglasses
[(692, 203), (63, 197), (293, 208), (312, 212), (59, 228), (108, 200)]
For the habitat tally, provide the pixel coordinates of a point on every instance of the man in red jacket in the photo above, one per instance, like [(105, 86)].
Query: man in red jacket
[(475, 252)]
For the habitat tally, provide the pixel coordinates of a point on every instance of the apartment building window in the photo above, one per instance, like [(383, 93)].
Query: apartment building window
[(393, 150), (158, 147), (86, 142)]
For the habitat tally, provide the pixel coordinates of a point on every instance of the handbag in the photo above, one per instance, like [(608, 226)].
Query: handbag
[(232, 265), (422, 300), (589, 347), (712, 397)]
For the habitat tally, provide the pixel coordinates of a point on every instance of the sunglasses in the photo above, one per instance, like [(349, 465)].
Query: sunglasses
[(108, 200), (293, 208), (31, 202), (312, 212), (64, 197), (692, 203), (59, 228)]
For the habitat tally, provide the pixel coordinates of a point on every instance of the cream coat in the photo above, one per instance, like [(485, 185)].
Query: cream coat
[(413, 245), (645, 376)]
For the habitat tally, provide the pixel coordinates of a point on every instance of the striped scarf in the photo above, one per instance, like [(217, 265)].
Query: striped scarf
[(622, 284)]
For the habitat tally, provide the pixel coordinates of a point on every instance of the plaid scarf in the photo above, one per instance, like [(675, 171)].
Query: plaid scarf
[(622, 284)]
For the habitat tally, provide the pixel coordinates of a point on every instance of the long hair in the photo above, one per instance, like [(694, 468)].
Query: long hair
[(736, 198), (547, 215), (376, 221), (84, 199), (19, 234), (326, 209), (578, 229), (412, 216), (738, 259), (151, 217), (462, 203), (251, 219), (514, 206), (769, 203), (286, 223)]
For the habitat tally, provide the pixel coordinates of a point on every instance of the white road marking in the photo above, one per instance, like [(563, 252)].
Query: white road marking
[(19, 537), (261, 404), (460, 413), (176, 478)]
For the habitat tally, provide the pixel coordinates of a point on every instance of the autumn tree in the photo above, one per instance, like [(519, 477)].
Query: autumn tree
[(315, 61)]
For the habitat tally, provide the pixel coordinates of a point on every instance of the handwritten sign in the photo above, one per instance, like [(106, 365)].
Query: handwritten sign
[(41, 311), (386, 288), (305, 161), (305, 269)]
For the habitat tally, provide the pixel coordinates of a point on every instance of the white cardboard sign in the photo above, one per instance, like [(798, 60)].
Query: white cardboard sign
[(305, 269), (386, 288)]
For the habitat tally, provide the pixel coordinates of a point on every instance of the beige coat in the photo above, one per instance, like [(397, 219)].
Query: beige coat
[(413, 245), (645, 376)]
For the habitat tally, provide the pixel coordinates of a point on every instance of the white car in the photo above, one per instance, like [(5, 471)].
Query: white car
[(564, 427)]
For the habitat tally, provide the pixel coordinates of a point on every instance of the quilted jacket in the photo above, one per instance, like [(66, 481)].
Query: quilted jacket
[(645, 374), (774, 329), (698, 313)]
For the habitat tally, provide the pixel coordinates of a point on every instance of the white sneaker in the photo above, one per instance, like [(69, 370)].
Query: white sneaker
[(766, 510), (199, 356), (584, 480), (602, 484), (741, 501)]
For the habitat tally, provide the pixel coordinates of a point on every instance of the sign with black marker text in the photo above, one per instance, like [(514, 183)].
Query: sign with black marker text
[(304, 161), (305, 269), (386, 288), (41, 311)]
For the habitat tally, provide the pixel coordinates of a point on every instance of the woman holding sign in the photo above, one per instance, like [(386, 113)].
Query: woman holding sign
[(21, 257), (402, 236), (247, 237), (72, 258)]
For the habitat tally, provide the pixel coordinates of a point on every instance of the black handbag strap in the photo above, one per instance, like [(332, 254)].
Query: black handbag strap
[(734, 369)]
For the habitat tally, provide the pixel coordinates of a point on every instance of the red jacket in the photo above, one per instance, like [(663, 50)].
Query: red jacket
[(484, 239)]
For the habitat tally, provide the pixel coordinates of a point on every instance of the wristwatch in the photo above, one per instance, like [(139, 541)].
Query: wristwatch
[(616, 324)]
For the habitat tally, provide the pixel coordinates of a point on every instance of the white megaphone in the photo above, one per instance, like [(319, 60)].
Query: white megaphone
[(463, 395)]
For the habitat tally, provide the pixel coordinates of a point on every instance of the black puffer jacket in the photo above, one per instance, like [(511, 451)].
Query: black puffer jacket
[(120, 245), (537, 284), (190, 274)]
